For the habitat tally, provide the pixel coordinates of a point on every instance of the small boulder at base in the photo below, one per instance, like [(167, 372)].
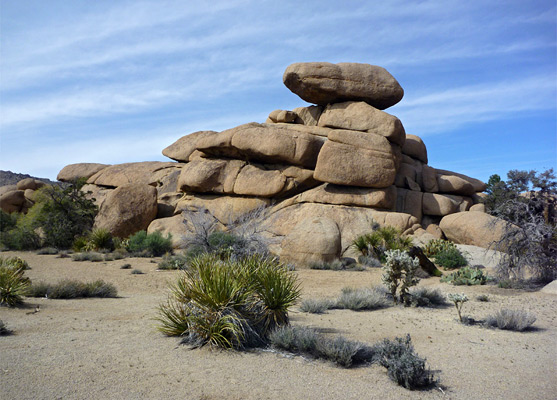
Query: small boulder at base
[(473, 228), (128, 209), (174, 226), (313, 239), (323, 83)]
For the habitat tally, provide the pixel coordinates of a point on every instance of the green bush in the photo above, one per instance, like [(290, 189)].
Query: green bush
[(20, 238), (450, 258), (62, 214), (512, 320), (145, 244), (72, 289), (13, 284), (381, 240), (436, 246), (7, 221), (230, 304), (403, 365), (137, 272), (466, 276), (400, 272)]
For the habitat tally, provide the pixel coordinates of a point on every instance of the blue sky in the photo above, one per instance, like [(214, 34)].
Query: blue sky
[(117, 81)]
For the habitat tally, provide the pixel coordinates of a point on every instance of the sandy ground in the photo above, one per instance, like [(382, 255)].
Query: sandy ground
[(109, 348)]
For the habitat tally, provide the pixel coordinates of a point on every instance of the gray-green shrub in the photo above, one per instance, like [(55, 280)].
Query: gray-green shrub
[(403, 365), (307, 341), (88, 256), (361, 299), (72, 289), (316, 306), (512, 320)]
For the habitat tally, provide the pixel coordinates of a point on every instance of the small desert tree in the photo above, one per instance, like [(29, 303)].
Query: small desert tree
[(527, 203)]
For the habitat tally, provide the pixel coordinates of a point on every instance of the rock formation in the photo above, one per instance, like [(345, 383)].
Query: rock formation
[(325, 171)]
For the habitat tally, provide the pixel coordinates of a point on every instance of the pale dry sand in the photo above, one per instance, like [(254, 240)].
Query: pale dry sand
[(109, 348)]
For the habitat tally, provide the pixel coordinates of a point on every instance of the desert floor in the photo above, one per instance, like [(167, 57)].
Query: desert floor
[(110, 349)]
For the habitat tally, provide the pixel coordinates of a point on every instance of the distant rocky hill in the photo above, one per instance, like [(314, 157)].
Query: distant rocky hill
[(11, 178)]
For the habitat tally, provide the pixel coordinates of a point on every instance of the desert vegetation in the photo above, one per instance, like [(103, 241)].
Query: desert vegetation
[(13, 284), (230, 304), (526, 201), (72, 289)]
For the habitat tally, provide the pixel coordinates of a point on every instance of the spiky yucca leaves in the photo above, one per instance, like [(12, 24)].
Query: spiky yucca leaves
[(229, 304), (376, 243), (13, 285), (99, 239), (15, 262)]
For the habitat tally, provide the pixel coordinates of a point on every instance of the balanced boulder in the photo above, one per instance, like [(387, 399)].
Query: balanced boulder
[(323, 83)]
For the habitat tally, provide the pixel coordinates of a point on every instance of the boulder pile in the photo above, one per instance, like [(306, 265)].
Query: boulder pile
[(325, 172), (19, 197)]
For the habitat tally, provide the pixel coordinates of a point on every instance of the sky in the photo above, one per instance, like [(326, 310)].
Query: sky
[(118, 81)]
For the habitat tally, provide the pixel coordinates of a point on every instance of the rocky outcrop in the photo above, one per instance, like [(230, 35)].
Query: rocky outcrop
[(19, 198), (326, 172)]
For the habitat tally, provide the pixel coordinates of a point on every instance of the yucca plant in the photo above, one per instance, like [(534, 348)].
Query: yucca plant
[(376, 243), (99, 239), (13, 285), (228, 304)]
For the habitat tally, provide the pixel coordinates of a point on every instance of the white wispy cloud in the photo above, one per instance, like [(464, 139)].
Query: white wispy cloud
[(450, 109)]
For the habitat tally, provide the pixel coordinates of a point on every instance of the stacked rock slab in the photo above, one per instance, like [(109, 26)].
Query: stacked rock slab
[(325, 172)]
